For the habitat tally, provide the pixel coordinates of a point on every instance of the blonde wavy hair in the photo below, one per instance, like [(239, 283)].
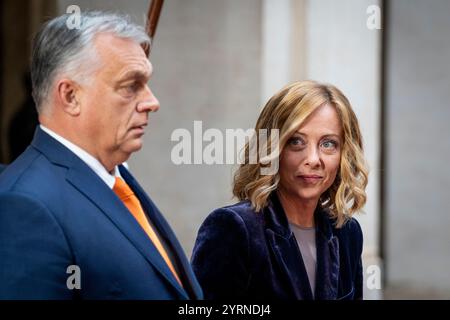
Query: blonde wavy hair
[(286, 111)]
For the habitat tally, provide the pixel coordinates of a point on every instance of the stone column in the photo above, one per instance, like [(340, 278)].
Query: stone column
[(342, 50)]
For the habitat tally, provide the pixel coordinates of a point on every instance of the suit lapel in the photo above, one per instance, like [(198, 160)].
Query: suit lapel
[(187, 276), (289, 259), (327, 277), (285, 250), (105, 199), (93, 188)]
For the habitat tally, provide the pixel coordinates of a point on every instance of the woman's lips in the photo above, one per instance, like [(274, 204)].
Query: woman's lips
[(312, 179)]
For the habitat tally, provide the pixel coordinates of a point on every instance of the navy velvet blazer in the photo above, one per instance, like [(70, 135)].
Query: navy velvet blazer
[(56, 212), (241, 254)]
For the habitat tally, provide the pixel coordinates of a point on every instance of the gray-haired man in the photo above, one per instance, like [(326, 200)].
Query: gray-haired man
[(74, 223)]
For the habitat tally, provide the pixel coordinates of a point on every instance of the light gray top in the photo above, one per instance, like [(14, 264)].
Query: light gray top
[(306, 239)]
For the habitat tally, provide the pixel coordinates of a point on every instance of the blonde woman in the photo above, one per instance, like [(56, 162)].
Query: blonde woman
[(292, 235)]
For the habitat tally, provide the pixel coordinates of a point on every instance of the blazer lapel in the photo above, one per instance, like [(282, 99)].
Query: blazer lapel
[(105, 199), (289, 258), (286, 251), (187, 276), (94, 189), (327, 277)]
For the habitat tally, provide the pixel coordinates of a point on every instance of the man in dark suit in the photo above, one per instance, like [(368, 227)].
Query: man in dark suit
[(74, 223)]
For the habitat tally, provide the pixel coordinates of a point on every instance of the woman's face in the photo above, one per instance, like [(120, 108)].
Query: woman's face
[(310, 160)]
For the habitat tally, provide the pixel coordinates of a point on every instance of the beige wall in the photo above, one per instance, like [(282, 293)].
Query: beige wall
[(207, 58), (418, 150), (329, 41), (342, 50), (218, 61)]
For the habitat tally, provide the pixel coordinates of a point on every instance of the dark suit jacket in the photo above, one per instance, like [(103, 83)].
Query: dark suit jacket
[(242, 254), (2, 167), (56, 212)]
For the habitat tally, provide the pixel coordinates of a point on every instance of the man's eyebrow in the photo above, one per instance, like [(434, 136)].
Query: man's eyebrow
[(135, 74)]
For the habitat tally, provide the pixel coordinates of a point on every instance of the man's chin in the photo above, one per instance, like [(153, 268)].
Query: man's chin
[(134, 146)]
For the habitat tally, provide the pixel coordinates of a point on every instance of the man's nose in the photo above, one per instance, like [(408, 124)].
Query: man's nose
[(149, 102)]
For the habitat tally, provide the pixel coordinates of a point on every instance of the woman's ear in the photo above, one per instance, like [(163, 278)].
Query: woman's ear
[(68, 95)]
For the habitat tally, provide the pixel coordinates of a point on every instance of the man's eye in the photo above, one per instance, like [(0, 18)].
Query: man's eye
[(131, 88)]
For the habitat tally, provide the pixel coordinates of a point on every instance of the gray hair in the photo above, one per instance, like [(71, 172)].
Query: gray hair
[(58, 49)]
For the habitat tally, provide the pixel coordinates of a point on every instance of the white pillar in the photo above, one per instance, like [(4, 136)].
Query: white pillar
[(276, 46), (343, 51), (329, 41)]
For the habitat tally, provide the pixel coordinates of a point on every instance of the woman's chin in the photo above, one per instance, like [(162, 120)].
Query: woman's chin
[(312, 195)]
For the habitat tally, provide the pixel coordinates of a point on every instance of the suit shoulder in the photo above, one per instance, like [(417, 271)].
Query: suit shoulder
[(238, 221), (352, 232), (353, 227), (224, 215), (241, 211), (18, 199), (244, 209), (17, 169), (32, 174), (21, 209)]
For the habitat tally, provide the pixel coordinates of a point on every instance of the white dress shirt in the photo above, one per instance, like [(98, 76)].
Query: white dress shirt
[(93, 163)]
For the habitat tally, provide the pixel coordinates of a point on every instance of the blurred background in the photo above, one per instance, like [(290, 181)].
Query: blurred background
[(218, 61)]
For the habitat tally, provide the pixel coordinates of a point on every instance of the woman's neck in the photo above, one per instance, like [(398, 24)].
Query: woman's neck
[(299, 212)]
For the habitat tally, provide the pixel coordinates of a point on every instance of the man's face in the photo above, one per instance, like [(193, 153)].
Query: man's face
[(116, 102)]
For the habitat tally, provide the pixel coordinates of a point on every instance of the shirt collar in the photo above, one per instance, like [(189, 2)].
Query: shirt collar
[(92, 162)]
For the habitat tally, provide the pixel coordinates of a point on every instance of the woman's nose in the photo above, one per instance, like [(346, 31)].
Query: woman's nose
[(313, 157)]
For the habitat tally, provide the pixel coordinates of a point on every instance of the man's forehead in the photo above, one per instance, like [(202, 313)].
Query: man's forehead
[(125, 55), (136, 70), (130, 68)]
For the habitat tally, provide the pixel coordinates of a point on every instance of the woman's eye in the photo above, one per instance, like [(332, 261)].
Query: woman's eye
[(329, 144), (296, 142)]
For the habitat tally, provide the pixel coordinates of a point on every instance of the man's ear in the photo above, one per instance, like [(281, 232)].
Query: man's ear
[(68, 92)]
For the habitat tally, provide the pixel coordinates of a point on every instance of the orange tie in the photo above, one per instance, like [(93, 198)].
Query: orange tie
[(130, 200)]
